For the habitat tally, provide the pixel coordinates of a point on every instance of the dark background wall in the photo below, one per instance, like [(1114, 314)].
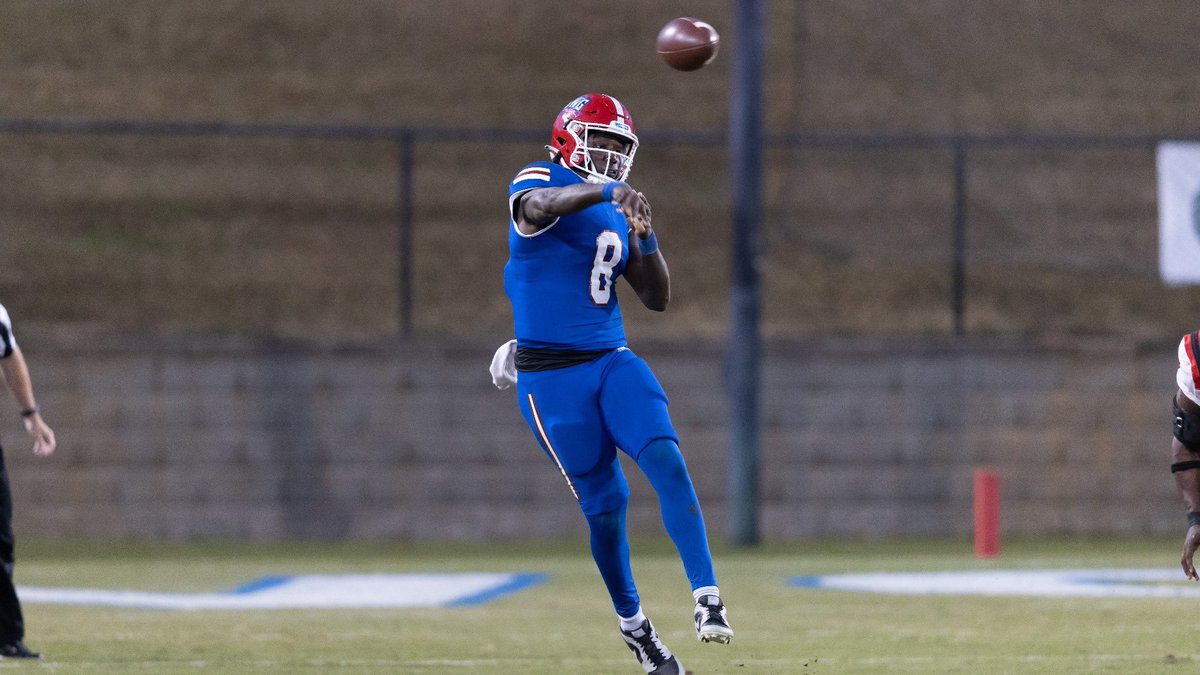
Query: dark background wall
[(412, 441)]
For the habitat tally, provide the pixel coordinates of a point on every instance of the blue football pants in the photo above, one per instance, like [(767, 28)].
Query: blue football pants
[(580, 415)]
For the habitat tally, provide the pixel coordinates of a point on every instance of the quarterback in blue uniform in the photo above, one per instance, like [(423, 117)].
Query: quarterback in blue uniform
[(576, 227)]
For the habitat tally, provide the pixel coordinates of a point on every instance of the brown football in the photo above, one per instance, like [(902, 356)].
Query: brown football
[(687, 44)]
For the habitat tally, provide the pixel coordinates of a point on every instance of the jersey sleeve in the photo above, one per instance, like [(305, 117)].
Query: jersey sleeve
[(7, 341), (532, 177), (1188, 376)]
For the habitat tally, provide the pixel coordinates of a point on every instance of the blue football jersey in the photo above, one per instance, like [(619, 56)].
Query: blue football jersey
[(562, 280)]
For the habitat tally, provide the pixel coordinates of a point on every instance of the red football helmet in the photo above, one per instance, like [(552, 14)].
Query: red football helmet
[(574, 129)]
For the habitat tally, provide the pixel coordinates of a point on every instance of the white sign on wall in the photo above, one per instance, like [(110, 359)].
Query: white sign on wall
[(1179, 212)]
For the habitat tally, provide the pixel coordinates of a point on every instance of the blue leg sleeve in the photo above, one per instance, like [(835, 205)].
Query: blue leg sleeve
[(610, 549), (664, 467)]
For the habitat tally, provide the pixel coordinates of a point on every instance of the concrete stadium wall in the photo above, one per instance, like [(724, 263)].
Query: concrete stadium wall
[(413, 442)]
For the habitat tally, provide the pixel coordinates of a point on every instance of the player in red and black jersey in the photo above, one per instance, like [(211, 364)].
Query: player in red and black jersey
[(1185, 446)]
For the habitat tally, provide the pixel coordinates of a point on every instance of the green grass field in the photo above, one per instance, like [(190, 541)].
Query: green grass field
[(567, 626)]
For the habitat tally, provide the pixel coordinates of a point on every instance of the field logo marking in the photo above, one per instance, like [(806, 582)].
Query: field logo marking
[(1095, 583), (308, 591)]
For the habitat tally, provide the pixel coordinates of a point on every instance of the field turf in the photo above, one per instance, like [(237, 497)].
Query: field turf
[(566, 625)]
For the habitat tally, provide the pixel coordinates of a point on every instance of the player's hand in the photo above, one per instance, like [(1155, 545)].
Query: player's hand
[(1190, 543), (635, 207), (43, 435)]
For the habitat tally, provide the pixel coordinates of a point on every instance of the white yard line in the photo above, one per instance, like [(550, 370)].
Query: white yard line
[(307, 591), (1095, 583)]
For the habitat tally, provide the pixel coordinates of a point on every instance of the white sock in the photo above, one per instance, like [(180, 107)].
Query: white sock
[(706, 590), (633, 621)]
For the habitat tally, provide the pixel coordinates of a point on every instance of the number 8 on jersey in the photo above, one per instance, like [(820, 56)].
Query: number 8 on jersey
[(608, 253)]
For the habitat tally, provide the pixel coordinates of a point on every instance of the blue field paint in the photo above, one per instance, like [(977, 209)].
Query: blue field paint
[(519, 583), (261, 585)]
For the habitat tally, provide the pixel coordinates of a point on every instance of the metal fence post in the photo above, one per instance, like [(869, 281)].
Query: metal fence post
[(958, 274), (404, 228)]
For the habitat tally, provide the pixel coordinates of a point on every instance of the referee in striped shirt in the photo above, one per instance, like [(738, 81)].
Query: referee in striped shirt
[(16, 375)]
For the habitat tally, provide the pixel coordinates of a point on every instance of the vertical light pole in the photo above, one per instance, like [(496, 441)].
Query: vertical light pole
[(745, 187)]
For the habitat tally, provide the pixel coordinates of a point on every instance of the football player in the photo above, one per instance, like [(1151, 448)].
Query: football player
[(1185, 447), (575, 228)]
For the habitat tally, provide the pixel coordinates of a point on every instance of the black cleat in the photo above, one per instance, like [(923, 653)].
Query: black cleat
[(654, 656), (17, 650), (711, 624)]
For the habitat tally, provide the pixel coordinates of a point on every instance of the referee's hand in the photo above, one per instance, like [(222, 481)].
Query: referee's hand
[(43, 435)]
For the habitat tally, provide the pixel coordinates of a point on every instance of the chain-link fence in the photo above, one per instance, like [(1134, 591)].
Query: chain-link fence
[(330, 233)]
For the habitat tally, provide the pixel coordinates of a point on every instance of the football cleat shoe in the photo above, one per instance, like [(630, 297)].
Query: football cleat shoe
[(711, 624), (654, 656), (17, 650)]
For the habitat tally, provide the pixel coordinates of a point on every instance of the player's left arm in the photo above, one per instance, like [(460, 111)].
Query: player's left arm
[(1184, 461), (647, 271)]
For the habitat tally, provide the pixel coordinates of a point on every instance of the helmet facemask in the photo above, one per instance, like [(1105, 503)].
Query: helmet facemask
[(601, 165)]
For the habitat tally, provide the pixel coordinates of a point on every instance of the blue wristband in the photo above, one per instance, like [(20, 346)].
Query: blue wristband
[(608, 188), (649, 244)]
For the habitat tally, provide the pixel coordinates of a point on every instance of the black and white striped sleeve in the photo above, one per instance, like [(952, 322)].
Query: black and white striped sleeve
[(7, 341)]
